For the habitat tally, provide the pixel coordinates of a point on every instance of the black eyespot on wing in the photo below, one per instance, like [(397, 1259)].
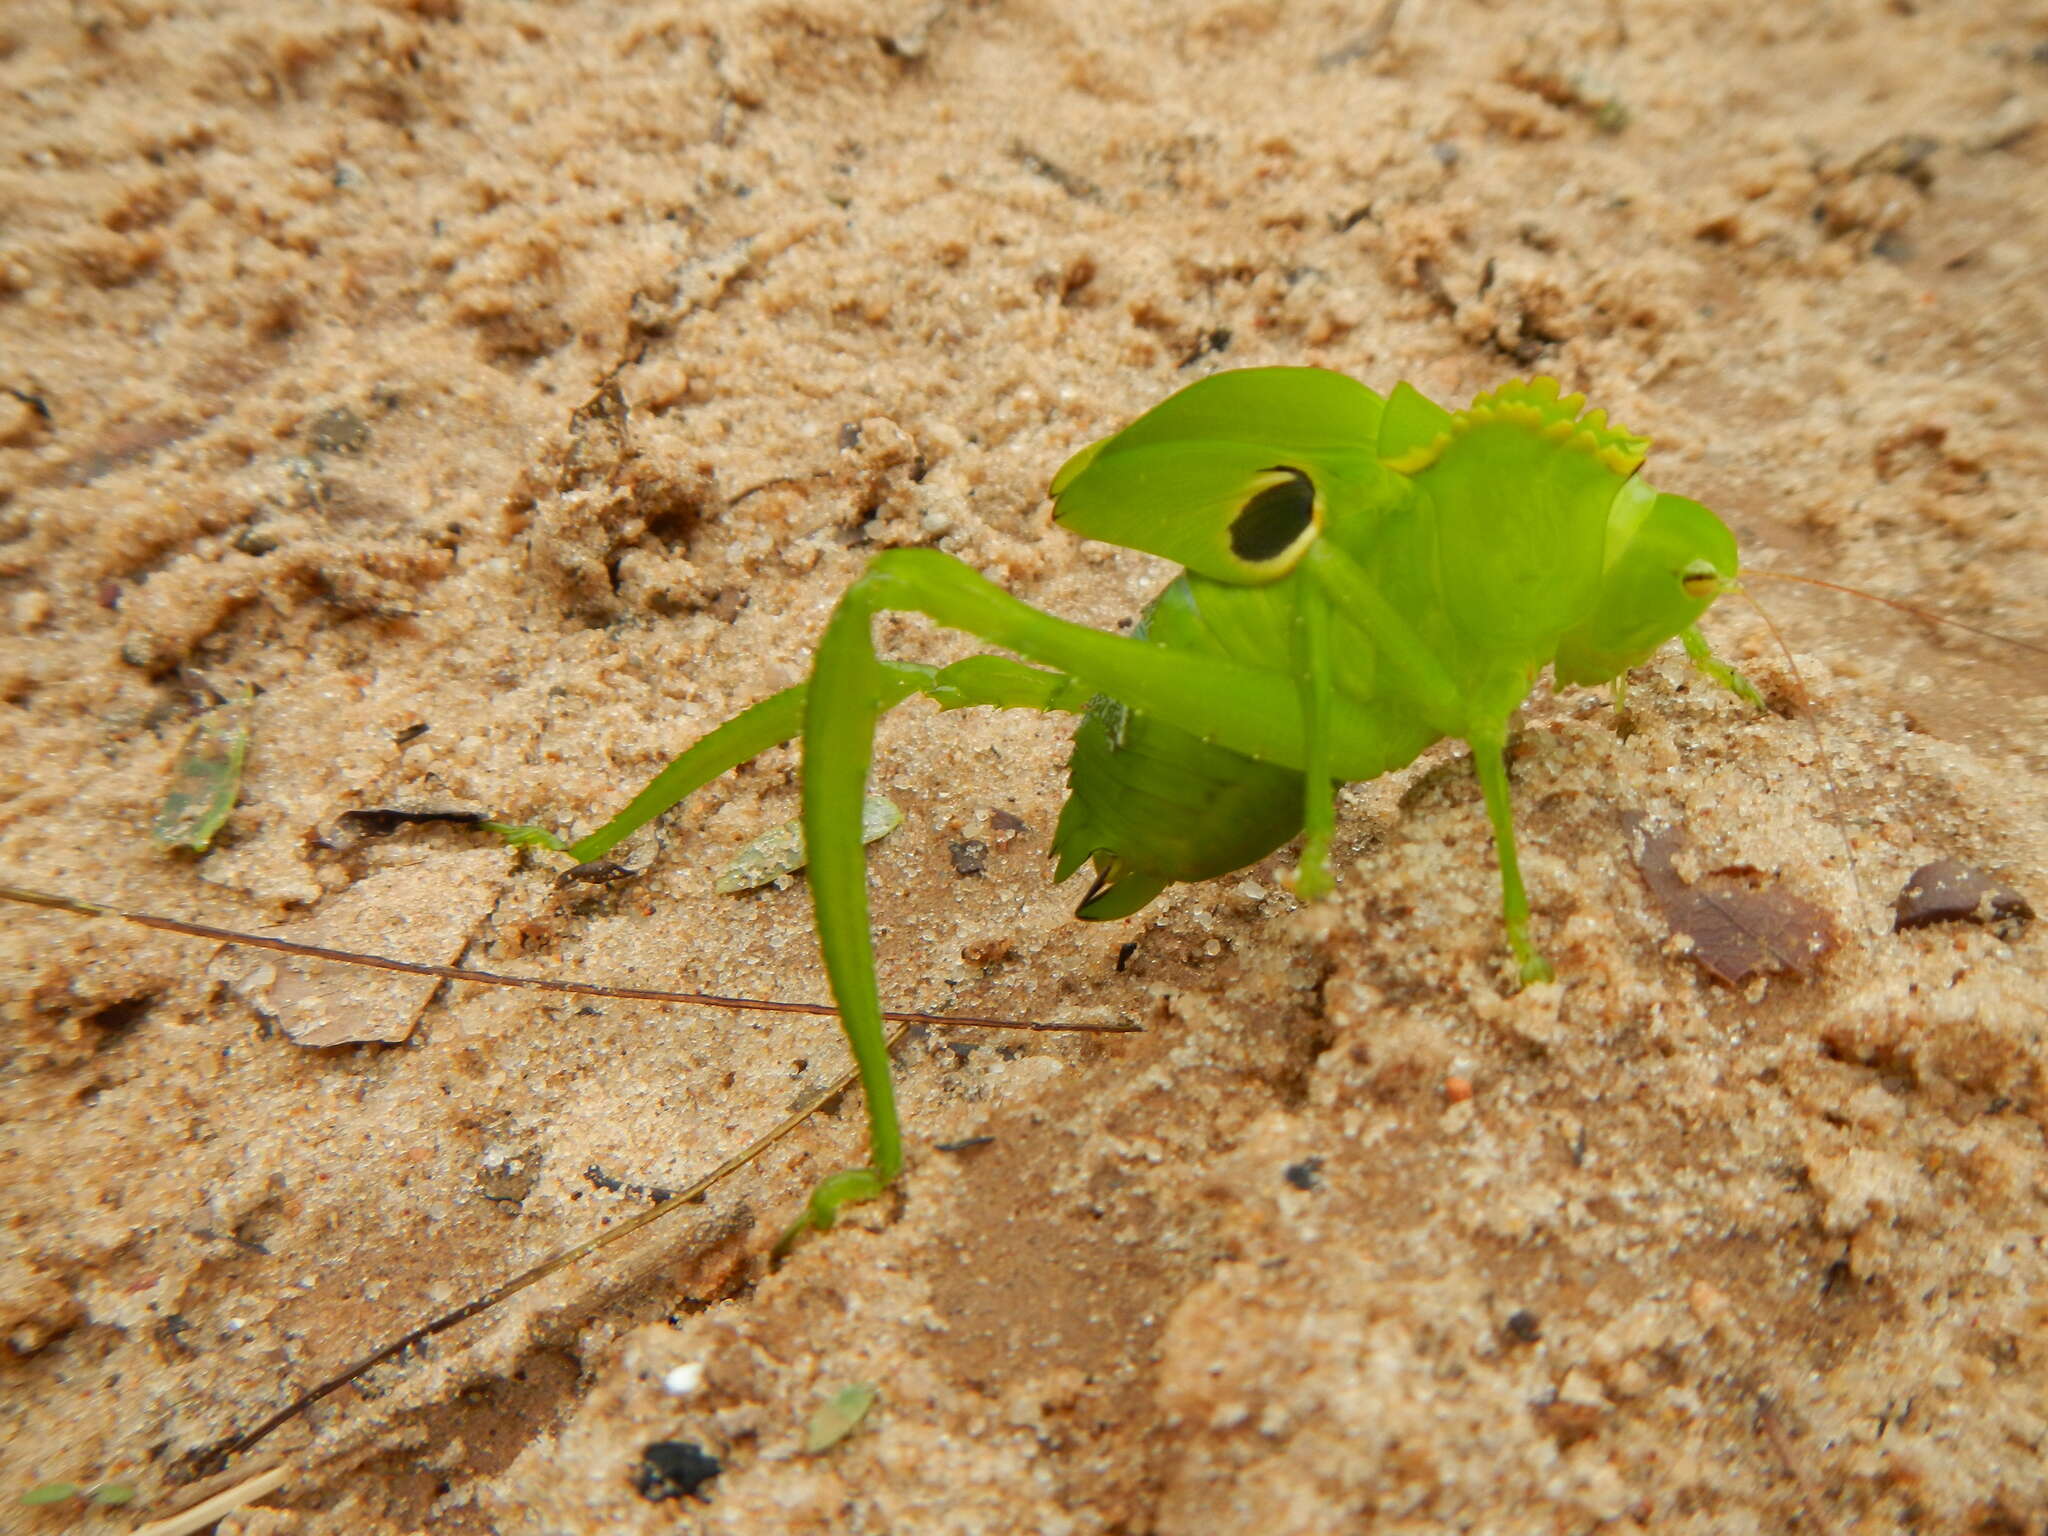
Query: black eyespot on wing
[(1268, 524)]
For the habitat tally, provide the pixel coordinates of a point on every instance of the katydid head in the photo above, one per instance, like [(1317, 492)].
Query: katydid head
[(1667, 559), (1539, 478), (1230, 477)]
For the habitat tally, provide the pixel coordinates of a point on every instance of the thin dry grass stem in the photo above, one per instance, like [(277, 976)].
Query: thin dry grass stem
[(549, 1266), (83, 908), (209, 1511)]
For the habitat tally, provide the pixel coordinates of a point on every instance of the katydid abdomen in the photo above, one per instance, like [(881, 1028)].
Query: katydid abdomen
[(1155, 805)]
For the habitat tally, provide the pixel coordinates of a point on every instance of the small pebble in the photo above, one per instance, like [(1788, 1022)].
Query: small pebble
[(671, 1469)]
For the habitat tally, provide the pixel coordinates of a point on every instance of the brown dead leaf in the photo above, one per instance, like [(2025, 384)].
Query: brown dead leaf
[(1737, 926)]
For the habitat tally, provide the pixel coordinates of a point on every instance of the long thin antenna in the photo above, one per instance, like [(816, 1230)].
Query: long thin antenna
[(218, 1456), (83, 908), (1925, 615), (1820, 748)]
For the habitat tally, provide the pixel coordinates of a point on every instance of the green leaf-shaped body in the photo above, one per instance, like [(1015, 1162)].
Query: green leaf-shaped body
[(1460, 552)]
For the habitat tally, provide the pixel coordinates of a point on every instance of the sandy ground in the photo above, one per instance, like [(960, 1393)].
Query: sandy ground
[(298, 305)]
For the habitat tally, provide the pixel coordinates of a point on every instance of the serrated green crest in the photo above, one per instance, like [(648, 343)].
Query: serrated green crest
[(1552, 416)]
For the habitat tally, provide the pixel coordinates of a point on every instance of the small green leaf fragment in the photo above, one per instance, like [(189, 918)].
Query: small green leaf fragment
[(519, 836), (208, 778), (50, 1493), (777, 852), (111, 1494), (840, 1416), (878, 818)]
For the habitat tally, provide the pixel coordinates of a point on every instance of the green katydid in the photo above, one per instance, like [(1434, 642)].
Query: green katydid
[(1362, 578)]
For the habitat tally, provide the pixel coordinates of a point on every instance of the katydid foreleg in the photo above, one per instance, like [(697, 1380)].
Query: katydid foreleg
[(1710, 666), (1489, 761)]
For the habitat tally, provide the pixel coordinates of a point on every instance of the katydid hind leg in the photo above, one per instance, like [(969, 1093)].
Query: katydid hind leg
[(848, 691), (835, 712), (846, 698), (768, 723), (991, 681)]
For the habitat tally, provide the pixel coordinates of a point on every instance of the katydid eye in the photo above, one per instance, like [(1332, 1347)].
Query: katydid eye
[(1700, 580), (1274, 518)]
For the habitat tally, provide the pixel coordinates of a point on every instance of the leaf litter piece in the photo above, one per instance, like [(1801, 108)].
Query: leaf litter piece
[(208, 778), (839, 1417), (426, 910), (596, 872), (1950, 891), (104, 1494), (1734, 928), (781, 851), (384, 821)]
